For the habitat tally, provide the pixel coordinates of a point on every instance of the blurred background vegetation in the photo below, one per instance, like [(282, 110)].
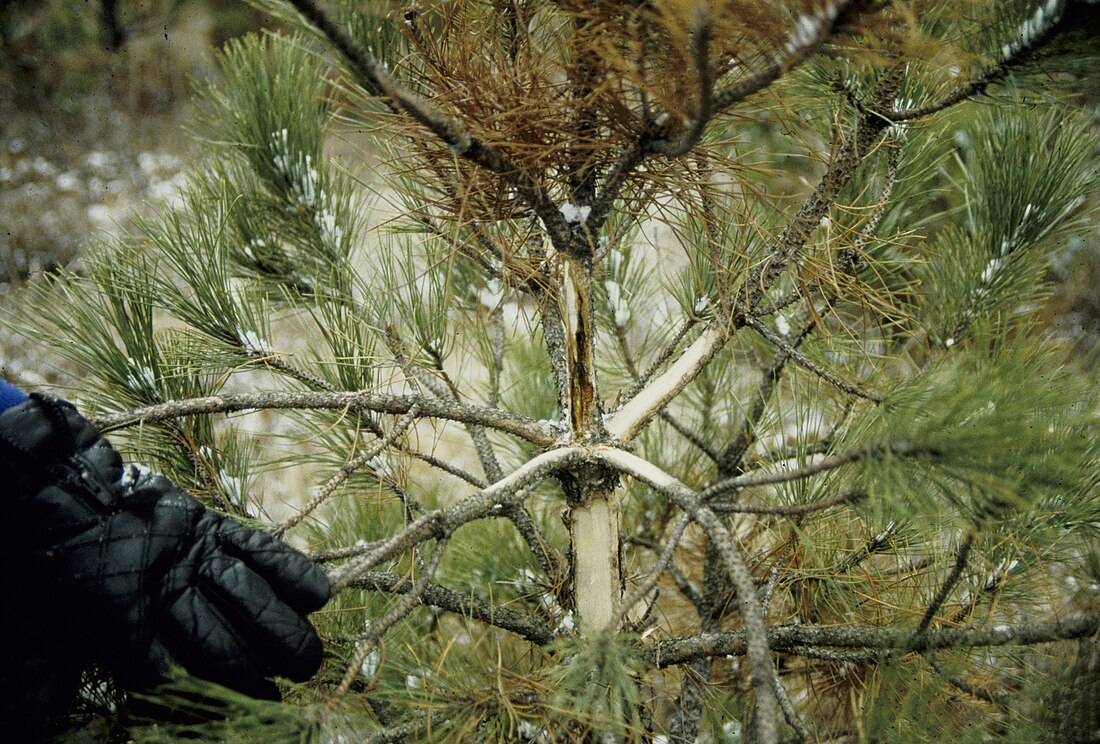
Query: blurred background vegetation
[(94, 104)]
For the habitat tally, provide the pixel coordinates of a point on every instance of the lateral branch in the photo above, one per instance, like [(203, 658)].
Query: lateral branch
[(789, 638)]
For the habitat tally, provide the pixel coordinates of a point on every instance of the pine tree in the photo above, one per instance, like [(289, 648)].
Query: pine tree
[(664, 371)]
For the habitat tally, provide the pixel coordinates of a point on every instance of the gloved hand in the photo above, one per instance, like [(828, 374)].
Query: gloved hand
[(113, 566)]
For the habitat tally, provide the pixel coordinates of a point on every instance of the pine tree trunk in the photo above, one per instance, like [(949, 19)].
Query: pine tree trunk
[(594, 507), (594, 531)]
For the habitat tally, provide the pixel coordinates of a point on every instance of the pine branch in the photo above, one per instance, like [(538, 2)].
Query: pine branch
[(666, 416), (497, 342), (1001, 700), (536, 432), (525, 524), (279, 364), (687, 433), (348, 551), (516, 513), (513, 488), (833, 656), (614, 180), (811, 31), (839, 171), (553, 336), (897, 449), (625, 423), (1033, 34), (767, 590), (490, 266), (994, 581), (790, 639), (817, 447), (585, 75), (850, 258), (403, 732), (793, 451), (762, 672)]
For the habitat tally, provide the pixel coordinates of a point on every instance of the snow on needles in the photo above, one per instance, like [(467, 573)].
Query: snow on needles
[(807, 29), (576, 214), (1032, 27), (305, 186)]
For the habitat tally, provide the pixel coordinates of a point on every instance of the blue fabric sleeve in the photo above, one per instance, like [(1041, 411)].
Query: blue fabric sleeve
[(10, 396)]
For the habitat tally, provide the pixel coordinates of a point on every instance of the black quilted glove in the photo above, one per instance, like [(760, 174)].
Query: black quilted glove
[(113, 566)]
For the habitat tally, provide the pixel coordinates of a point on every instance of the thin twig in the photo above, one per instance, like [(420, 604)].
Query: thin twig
[(682, 584), (428, 222), (772, 581), (803, 43), (639, 592), (516, 513), (460, 603), (869, 548), (730, 458), (380, 627), (794, 451), (613, 183), (807, 364), (497, 342), (663, 356), (345, 472), (682, 429), (802, 733), (279, 364), (792, 510), (916, 642), (348, 551), (446, 467)]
